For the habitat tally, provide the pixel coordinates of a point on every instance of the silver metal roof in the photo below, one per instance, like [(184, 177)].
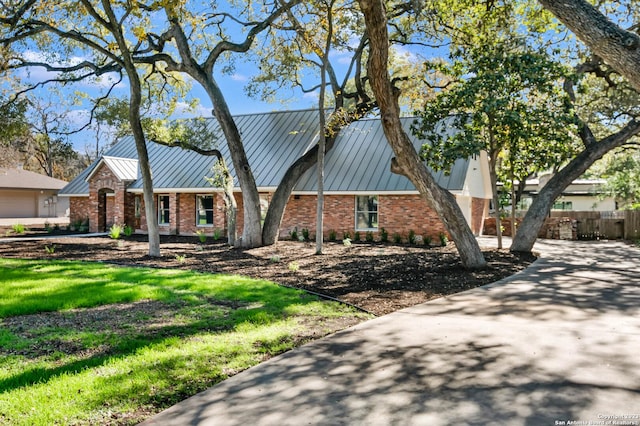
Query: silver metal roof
[(125, 169), (360, 160)]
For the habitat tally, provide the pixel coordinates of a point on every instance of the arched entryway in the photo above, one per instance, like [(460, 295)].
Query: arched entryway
[(105, 206)]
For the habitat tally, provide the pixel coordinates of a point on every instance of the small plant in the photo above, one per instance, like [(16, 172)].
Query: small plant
[(427, 240), (115, 231), (300, 238), (275, 258), (199, 248), (56, 227), (47, 227), (294, 266), (412, 237), (347, 242), (345, 235), (18, 228), (397, 238), (50, 249), (443, 239), (202, 236), (80, 225), (294, 234), (127, 231), (217, 233), (181, 258), (305, 234), (120, 244), (369, 236), (384, 235), (333, 235), (356, 237)]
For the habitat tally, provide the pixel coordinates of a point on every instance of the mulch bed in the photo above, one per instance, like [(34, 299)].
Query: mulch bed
[(379, 278)]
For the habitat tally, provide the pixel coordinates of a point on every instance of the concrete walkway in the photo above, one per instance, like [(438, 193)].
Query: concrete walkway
[(557, 343)]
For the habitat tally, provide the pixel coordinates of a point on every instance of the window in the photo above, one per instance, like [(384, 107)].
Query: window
[(366, 212), (163, 210), (204, 210), (137, 206), (562, 205)]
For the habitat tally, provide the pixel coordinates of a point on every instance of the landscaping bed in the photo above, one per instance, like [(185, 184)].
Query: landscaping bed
[(379, 278)]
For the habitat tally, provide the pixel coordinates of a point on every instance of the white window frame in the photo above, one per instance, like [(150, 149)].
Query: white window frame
[(212, 209), (161, 210), (368, 212)]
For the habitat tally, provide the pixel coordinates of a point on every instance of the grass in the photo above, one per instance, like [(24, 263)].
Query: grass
[(106, 342)]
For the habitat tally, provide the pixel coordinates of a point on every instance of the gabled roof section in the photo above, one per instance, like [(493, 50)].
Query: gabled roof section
[(360, 161), (23, 179), (125, 169)]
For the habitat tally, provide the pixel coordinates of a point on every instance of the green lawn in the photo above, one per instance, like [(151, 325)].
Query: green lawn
[(87, 343)]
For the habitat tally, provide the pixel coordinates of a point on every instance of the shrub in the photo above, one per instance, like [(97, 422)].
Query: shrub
[(217, 233), (294, 234), (115, 231), (412, 237), (127, 231), (332, 235), (202, 236), (397, 238), (369, 236), (18, 228), (427, 240), (356, 236), (384, 235), (47, 226), (347, 242), (80, 225), (346, 235), (443, 239), (305, 234)]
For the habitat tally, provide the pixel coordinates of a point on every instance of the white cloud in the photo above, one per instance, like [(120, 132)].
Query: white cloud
[(239, 77), (184, 110)]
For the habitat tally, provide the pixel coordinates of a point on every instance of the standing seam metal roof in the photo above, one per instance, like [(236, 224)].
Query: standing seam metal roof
[(359, 161)]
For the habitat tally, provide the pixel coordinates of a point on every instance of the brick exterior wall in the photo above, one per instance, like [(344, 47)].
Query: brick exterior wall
[(396, 213), (479, 210), (79, 209), (104, 181)]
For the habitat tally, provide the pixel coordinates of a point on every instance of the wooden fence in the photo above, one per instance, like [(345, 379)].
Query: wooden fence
[(604, 225)]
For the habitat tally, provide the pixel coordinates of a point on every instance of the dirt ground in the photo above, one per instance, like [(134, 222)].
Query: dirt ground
[(379, 278)]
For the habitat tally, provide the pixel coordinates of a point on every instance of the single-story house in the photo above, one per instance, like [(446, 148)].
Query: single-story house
[(580, 195), (361, 193), (25, 194)]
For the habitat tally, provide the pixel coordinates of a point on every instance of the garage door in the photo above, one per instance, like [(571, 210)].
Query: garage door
[(18, 204)]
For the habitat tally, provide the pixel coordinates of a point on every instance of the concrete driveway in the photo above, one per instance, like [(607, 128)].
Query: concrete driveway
[(556, 344)]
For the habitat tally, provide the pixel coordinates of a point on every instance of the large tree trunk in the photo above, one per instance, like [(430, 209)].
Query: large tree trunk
[(619, 48), (407, 161), (252, 230), (143, 162), (537, 213), (496, 202), (135, 100)]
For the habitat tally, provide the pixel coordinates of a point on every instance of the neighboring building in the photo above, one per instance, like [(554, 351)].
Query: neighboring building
[(361, 193), (581, 195), (25, 194)]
